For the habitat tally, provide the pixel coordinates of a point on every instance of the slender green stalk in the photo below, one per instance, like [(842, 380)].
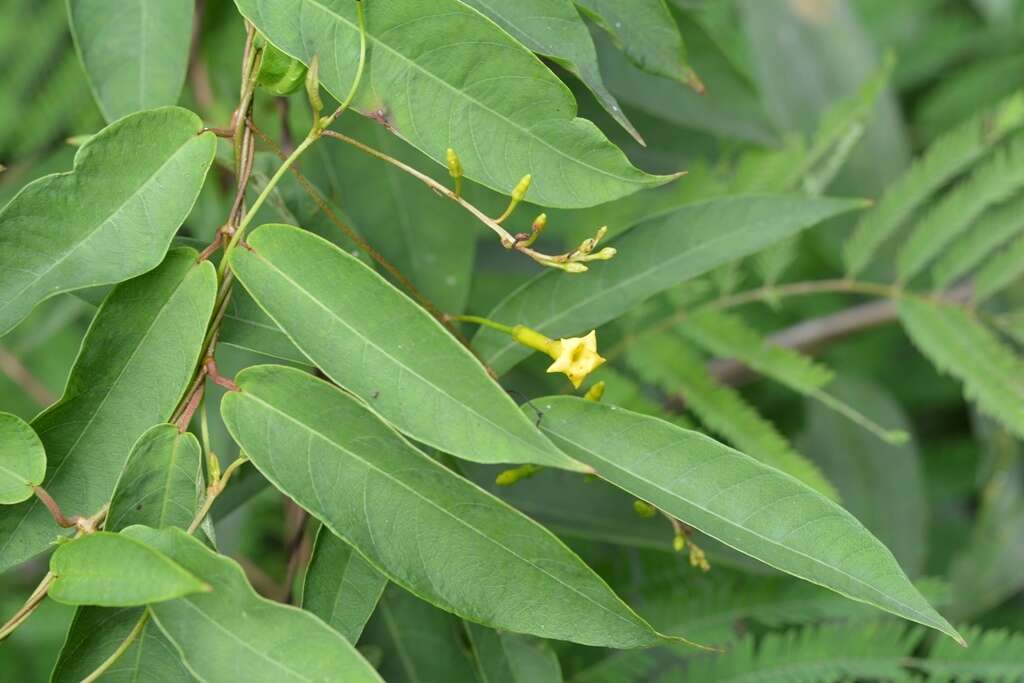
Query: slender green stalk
[(478, 320), (121, 649)]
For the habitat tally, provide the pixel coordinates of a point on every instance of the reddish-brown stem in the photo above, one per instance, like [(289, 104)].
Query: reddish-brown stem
[(190, 408), (211, 371), (20, 375), (51, 505)]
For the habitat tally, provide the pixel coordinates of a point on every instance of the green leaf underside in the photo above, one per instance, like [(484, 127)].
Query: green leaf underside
[(136, 361), (340, 586), (556, 30), (645, 31), (480, 93), (427, 529), (377, 343), (22, 460), (741, 502), (652, 257), (232, 634), (961, 346), (109, 219), (159, 487), (135, 52), (108, 569), (161, 483)]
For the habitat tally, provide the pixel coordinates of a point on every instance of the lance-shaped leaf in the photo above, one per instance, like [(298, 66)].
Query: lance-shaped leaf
[(108, 219), (112, 570), (159, 487), (441, 75), (134, 365), (646, 31), (135, 52), (341, 587), (653, 256), (993, 375), (738, 500), (22, 459), (554, 28), (424, 527), (232, 634), (374, 341)]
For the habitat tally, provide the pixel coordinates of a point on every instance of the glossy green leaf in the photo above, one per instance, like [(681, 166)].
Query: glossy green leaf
[(441, 75), (96, 632), (161, 483), (341, 587), (554, 29), (232, 634), (647, 33), (374, 341), (511, 658), (653, 256), (427, 529), (739, 501), (134, 365), (22, 460), (109, 219), (112, 570), (960, 345), (135, 52), (159, 487)]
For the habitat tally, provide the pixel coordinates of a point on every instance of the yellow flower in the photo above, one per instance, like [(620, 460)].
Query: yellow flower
[(576, 357)]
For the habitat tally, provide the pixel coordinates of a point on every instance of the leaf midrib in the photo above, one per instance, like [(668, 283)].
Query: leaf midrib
[(431, 503), (527, 131), (309, 295), (926, 620)]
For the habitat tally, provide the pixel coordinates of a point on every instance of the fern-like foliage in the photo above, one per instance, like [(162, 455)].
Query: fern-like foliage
[(995, 655), (945, 159), (666, 361), (995, 228), (1004, 268), (958, 344), (824, 654), (995, 180), (729, 336)]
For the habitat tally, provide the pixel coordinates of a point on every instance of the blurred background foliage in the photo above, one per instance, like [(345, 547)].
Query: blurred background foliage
[(950, 502)]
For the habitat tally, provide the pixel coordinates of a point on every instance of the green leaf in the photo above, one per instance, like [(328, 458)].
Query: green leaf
[(994, 655), (441, 75), (159, 487), (881, 484), (108, 569), (944, 159), (22, 460), (555, 30), (995, 228), (246, 326), (427, 529), (161, 483), (418, 642), (232, 634), (135, 53), (668, 363), (738, 500), (341, 587), (647, 33), (134, 365), (511, 658), (374, 341), (652, 257), (993, 181), (999, 273), (110, 218), (96, 632), (960, 345)]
